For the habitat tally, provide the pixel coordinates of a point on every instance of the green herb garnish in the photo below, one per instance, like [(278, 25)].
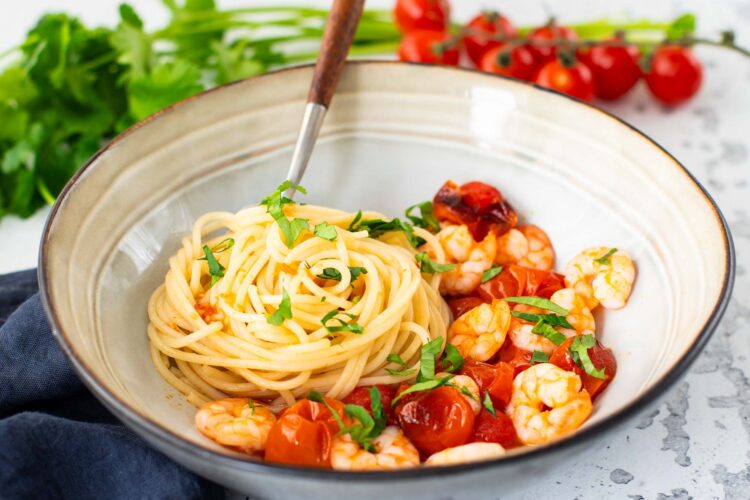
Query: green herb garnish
[(427, 356), (452, 359), (488, 405), (538, 357), (369, 426), (539, 302), (491, 273), (215, 269), (343, 326), (284, 311), (251, 405), (395, 358), (427, 220), (427, 265), (326, 231), (549, 333), (426, 385), (275, 202), (550, 319), (330, 273), (605, 259), (579, 351), (378, 227)]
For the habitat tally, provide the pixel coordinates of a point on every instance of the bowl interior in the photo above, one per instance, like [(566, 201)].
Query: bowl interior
[(394, 135)]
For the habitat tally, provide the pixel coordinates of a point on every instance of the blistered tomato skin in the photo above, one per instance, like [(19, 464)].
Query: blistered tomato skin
[(601, 357), (516, 281), (496, 380), (498, 429), (361, 396), (435, 420)]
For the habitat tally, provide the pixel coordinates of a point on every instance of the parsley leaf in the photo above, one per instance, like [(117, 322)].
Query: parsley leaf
[(490, 273), (549, 333), (452, 360), (427, 265), (427, 220), (326, 231), (605, 259), (284, 311), (378, 227), (579, 349), (275, 207), (215, 269), (351, 326), (538, 357), (487, 403), (330, 273), (539, 302)]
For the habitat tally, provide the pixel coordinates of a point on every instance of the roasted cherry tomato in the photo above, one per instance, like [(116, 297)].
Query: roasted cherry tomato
[(601, 357), (517, 62), (361, 396), (550, 32), (303, 434), (573, 79), (478, 205), (435, 420), (497, 380), (515, 281), (498, 429), (460, 305), (480, 30), (519, 359), (615, 69), (675, 74), (412, 15), (433, 47)]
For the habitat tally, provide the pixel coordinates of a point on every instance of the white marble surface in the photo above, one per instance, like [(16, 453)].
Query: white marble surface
[(697, 445)]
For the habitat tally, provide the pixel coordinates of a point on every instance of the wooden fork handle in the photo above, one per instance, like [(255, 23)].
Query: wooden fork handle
[(337, 38)]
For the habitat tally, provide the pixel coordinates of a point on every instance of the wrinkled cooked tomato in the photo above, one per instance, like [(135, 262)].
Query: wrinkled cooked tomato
[(498, 429), (478, 205), (497, 380), (602, 358), (460, 305), (435, 420), (361, 396), (303, 434), (519, 359), (516, 281)]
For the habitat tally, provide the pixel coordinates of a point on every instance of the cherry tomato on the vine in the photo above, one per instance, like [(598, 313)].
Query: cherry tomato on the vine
[(412, 15), (615, 69), (675, 74), (480, 29), (550, 33), (517, 62), (574, 80), (434, 47)]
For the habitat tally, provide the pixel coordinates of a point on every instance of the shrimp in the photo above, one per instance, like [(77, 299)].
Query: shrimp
[(546, 385), (472, 258), (393, 450), (480, 332), (579, 316), (522, 336), (472, 452), (468, 389), (235, 422), (526, 246), (601, 278)]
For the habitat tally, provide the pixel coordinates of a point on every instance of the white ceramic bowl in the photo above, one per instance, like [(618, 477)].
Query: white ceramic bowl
[(395, 133)]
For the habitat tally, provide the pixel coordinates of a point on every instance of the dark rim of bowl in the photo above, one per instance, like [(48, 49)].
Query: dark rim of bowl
[(155, 431)]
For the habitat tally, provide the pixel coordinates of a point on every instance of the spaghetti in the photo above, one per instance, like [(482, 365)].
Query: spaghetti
[(241, 313)]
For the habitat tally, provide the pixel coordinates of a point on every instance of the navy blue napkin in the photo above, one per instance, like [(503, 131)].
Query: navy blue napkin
[(56, 440)]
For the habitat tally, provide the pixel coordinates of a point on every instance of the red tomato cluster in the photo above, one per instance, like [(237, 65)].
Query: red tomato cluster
[(547, 56)]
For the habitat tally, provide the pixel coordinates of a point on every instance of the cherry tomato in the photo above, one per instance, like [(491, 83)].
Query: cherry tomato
[(498, 429), (432, 47), (615, 69), (574, 80), (303, 434), (413, 15), (517, 62), (519, 359), (549, 33), (435, 420), (361, 396), (675, 75), (482, 28), (601, 357), (497, 380), (478, 205), (514, 281), (460, 305)]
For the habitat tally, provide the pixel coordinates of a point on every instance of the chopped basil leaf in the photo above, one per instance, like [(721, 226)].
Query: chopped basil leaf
[(549, 333), (429, 352), (426, 385), (378, 412), (355, 222), (540, 303), (326, 231), (463, 390), (491, 273), (283, 312), (538, 357), (428, 219), (318, 398), (580, 347), (452, 359), (395, 358), (369, 426), (427, 265), (215, 269), (401, 373), (605, 259), (487, 403), (377, 227), (351, 326), (550, 319)]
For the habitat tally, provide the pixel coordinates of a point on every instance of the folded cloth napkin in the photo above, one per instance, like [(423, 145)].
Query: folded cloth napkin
[(56, 440)]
